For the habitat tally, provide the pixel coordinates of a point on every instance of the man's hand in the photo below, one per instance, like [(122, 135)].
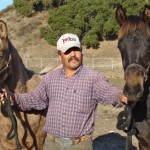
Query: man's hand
[(3, 94), (123, 99)]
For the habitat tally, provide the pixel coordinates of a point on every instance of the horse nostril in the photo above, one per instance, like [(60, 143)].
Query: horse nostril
[(133, 93), (139, 91), (139, 94)]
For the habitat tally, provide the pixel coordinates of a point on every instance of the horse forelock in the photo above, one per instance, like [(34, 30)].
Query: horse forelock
[(132, 24)]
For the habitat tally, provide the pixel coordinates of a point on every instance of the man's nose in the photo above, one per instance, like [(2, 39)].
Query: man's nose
[(72, 53)]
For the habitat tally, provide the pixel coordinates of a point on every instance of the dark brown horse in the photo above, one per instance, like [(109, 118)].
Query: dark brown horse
[(14, 75), (134, 46)]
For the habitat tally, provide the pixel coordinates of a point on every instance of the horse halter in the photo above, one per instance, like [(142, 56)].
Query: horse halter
[(139, 67), (7, 65)]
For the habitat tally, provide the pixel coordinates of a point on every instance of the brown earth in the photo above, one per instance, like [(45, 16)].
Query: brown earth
[(25, 36)]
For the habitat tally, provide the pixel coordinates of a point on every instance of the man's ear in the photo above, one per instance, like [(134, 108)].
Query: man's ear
[(59, 56)]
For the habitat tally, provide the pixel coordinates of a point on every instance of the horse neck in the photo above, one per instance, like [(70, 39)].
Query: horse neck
[(147, 100), (147, 83), (20, 74), (146, 95)]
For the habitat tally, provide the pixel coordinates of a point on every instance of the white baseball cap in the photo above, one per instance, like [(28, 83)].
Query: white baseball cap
[(67, 41)]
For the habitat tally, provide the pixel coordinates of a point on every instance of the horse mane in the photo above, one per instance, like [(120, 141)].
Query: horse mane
[(20, 71), (132, 24)]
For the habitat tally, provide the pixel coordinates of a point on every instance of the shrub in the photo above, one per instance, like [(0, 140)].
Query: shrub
[(92, 21), (24, 7)]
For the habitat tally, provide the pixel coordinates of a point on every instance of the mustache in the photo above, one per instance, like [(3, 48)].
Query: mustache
[(73, 57)]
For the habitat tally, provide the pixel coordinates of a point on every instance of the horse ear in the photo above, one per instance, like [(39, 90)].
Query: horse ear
[(3, 29), (146, 14), (120, 15)]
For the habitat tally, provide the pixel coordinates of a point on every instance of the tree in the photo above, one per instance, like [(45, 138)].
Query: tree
[(92, 21), (27, 7)]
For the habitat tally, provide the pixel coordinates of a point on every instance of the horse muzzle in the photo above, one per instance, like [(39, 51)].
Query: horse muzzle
[(135, 76), (133, 93)]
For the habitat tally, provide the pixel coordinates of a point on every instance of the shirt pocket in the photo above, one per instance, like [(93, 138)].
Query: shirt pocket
[(81, 100)]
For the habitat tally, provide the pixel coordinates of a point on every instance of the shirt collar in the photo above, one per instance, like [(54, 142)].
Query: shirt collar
[(78, 70)]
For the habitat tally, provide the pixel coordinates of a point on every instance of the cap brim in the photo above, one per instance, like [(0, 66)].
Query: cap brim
[(68, 46)]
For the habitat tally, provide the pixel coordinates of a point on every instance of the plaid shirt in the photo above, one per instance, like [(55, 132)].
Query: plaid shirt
[(71, 102)]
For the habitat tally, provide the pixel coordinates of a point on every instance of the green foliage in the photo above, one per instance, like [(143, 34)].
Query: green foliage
[(134, 6), (26, 7), (76, 17), (92, 21), (23, 7)]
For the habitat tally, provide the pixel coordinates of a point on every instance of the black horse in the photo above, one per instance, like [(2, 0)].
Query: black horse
[(134, 46)]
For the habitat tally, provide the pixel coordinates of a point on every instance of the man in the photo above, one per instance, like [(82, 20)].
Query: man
[(71, 94)]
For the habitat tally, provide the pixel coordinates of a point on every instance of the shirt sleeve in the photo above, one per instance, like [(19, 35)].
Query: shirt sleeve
[(105, 93), (37, 99)]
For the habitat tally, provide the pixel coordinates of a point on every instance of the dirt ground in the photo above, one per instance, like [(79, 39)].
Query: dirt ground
[(105, 135)]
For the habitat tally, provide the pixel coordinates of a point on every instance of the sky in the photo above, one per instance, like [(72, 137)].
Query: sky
[(5, 3)]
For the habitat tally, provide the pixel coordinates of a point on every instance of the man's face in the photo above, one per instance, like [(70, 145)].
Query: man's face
[(71, 59)]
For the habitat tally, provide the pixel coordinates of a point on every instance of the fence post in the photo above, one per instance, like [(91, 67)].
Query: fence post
[(112, 66), (41, 63), (93, 63)]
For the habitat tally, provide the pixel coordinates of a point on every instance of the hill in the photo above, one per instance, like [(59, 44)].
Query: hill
[(24, 33)]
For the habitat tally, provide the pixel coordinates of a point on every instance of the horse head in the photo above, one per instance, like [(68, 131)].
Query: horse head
[(5, 56), (134, 47)]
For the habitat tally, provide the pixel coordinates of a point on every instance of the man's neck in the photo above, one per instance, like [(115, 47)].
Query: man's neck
[(70, 73)]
